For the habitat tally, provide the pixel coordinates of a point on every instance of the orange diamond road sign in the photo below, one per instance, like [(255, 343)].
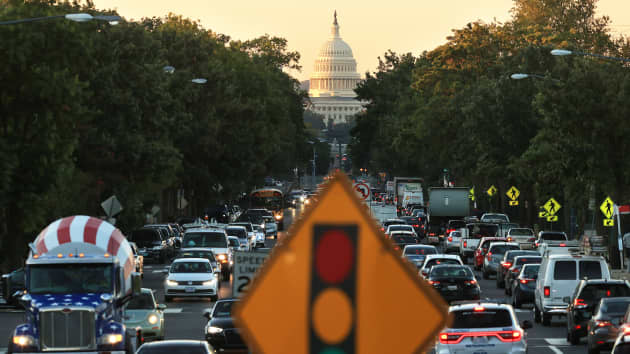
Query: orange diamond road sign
[(336, 285)]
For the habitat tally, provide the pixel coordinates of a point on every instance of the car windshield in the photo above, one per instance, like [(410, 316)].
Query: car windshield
[(488, 318), (70, 278), (223, 309), (234, 242), (450, 272), (204, 239), (615, 306), (248, 226), (404, 239), (594, 292), (482, 230), (191, 267), (553, 236), (144, 301), (420, 250), (172, 348), (531, 272), (240, 233)]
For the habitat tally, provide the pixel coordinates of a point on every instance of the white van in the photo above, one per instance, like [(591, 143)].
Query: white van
[(412, 198), (558, 276)]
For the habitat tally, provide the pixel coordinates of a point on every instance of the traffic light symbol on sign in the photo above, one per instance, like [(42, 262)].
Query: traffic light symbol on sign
[(333, 289)]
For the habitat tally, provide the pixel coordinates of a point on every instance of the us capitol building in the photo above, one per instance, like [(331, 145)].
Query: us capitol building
[(332, 84)]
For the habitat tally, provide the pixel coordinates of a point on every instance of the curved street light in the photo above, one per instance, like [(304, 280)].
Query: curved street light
[(78, 17), (199, 80), (564, 52), (520, 76)]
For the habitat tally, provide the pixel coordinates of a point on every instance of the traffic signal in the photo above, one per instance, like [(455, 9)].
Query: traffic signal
[(333, 289)]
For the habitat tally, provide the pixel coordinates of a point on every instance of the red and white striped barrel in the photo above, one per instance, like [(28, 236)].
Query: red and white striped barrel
[(86, 229)]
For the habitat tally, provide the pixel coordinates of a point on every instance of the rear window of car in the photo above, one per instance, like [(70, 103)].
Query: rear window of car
[(481, 319), (531, 272), (564, 270), (510, 255), (420, 250), (400, 228), (614, 307), (590, 269), (397, 222), (594, 292), (527, 260), (404, 239), (456, 224), (501, 249), (433, 262), (521, 232), (553, 236), (482, 230), (451, 272)]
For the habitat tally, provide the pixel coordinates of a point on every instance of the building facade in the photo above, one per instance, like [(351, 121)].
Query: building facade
[(332, 83)]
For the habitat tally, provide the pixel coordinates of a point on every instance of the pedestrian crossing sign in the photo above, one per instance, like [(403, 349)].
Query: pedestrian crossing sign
[(609, 222), (607, 208), (552, 218), (513, 193), (471, 194), (513, 202), (552, 207)]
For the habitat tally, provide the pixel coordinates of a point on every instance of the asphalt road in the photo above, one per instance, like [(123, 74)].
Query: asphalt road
[(184, 316)]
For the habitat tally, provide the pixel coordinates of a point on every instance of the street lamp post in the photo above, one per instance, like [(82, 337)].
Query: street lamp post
[(80, 17), (564, 52)]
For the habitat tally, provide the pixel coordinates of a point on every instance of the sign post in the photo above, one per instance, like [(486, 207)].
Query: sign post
[(319, 288)]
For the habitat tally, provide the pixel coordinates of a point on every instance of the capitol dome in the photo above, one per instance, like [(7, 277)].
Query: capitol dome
[(335, 71)]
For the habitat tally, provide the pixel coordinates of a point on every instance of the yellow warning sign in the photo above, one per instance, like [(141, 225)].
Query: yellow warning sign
[(552, 218), (607, 208), (492, 191), (513, 193), (513, 202), (609, 222), (552, 207)]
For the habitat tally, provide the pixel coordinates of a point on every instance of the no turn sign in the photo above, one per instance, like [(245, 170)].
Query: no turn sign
[(363, 190)]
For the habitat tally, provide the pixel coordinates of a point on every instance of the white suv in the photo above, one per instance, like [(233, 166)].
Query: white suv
[(215, 240), (558, 276), (483, 328)]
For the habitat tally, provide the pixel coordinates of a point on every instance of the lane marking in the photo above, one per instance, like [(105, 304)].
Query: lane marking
[(173, 310), (557, 341), (555, 350)]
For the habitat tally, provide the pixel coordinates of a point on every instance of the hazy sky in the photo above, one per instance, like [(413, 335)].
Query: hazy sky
[(370, 27)]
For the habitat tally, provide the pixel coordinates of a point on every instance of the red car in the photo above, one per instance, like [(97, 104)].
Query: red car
[(481, 250)]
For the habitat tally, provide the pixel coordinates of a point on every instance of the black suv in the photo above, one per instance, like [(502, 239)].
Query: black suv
[(586, 295), (152, 244)]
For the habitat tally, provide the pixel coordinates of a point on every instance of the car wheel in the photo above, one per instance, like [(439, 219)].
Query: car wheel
[(546, 319), (573, 338), (536, 314)]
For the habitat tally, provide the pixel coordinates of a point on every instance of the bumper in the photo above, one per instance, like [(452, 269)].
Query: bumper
[(149, 332), (467, 252), (94, 352), (460, 295), (603, 337), (555, 309), (524, 293), (527, 246), (230, 339), (192, 291), (452, 246)]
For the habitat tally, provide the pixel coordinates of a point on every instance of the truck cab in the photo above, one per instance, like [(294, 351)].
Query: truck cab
[(79, 275)]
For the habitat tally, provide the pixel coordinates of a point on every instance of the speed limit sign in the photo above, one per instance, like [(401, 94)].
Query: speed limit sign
[(246, 265)]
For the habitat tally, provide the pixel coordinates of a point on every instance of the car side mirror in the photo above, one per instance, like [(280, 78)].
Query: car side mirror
[(566, 299), (526, 324), (161, 307), (207, 313)]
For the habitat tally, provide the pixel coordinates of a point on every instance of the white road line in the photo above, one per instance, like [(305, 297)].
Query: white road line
[(556, 341), (555, 350), (173, 310)]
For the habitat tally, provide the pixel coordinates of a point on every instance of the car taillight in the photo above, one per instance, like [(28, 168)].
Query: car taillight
[(415, 225), (382, 229), (465, 244), (489, 256), (505, 265), (510, 336), (525, 281), (603, 323), (479, 309), (626, 330), (563, 245), (449, 231), (509, 239), (434, 282), (579, 303), (547, 291), (422, 226), (470, 282), (504, 336), (515, 270), (450, 239), (447, 338)]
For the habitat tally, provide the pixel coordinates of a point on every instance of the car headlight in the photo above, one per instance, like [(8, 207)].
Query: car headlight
[(208, 283), (171, 282), (260, 237), (278, 217), (153, 319), (23, 340), (214, 330), (306, 201), (262, 226), (111, 339), (221, 257)]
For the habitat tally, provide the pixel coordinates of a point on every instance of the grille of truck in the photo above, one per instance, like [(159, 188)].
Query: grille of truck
[(67, 329)]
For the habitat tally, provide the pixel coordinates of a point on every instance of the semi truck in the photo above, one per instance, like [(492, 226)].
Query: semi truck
[(446, 204), (78, 276), (404, 185)]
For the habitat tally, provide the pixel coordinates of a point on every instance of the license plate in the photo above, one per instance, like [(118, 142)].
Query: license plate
[(452, 287), (190, 289)]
